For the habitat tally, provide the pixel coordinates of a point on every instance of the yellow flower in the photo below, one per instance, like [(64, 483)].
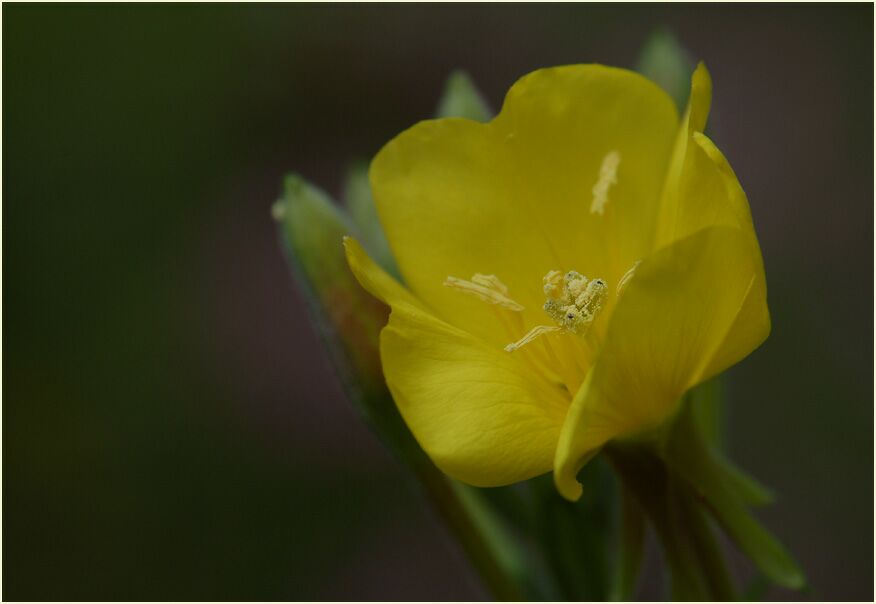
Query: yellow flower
[(571, 269)]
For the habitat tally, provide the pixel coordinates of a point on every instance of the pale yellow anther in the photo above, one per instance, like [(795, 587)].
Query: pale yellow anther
[(627, 276), (582, 300), (553, 284), (574, 319), (572, 301), (487, 288), (607, 178), (534, 333), (490, 281), (576, 283), (593, 297)]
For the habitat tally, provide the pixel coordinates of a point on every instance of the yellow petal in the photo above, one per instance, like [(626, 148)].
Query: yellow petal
[(374, 279), (513, 197), (482, 415), (682, 162), (702, 191), (752, 324), (671, 322), (700, 100)]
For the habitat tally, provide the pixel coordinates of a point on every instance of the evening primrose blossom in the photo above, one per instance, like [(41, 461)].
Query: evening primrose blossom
[(570, 270)]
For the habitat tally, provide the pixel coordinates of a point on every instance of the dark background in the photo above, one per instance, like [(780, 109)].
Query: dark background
[(172, 428)]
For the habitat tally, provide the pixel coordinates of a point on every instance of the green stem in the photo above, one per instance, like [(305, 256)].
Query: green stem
[(631, 547)]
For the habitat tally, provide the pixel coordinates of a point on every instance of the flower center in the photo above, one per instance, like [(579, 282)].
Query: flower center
[(572, 301)]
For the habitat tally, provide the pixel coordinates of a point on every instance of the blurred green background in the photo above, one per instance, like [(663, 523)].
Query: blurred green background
[(172, 428)]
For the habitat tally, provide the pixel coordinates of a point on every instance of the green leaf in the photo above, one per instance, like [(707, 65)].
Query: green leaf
[(360, 204), (664, 61), (462, 99)]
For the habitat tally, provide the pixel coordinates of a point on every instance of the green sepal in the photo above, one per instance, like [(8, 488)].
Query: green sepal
[(462, 99), (748, 489), (664, 61), (311, 230), (360, 205), (682, 482), (693, 558), (727, 495), (707, 403), (348, 319)]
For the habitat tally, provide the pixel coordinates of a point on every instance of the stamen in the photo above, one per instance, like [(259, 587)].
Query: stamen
[(534, 333), (575, 284), (490, 281), (593, 298), (487, 288), (573, 302), (627, 276), (490, 289), (553, 283), (607, 177), (580, 302)]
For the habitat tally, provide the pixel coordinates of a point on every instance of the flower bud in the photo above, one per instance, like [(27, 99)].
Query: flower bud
[(312, 228), (462, 99)]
